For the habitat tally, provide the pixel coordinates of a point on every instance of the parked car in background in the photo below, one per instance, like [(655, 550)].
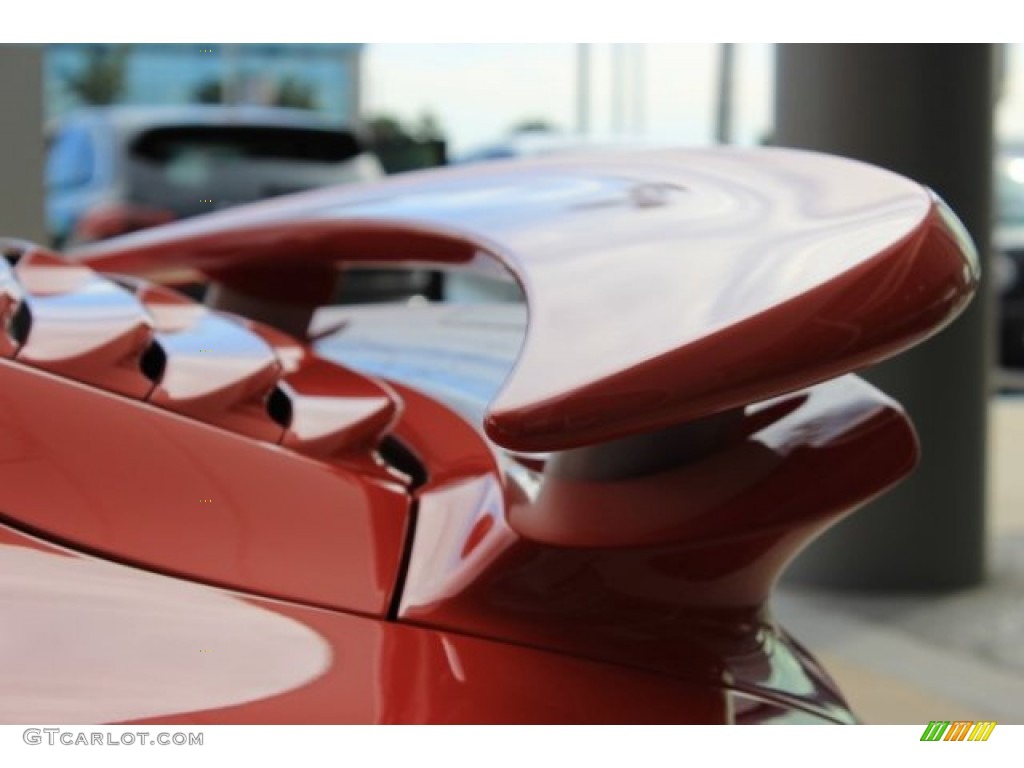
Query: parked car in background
[(115, 170), (112, 170), (1009, 247)]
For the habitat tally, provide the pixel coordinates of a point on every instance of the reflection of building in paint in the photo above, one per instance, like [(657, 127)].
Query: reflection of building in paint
[(327, 76)]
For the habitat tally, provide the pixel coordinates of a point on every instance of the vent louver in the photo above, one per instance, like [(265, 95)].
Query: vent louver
[(150, 343)]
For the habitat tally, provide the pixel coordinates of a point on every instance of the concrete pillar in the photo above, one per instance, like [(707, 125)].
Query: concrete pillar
[(925, 111), (354, 61), (21, 142)]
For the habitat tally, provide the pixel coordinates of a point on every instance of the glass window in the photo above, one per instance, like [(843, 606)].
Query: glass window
[(69, 161)]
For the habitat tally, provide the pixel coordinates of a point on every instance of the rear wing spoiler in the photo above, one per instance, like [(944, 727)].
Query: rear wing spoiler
[(663, 286)]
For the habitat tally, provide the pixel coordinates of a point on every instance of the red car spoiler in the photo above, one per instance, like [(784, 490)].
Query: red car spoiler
[(663, 286)]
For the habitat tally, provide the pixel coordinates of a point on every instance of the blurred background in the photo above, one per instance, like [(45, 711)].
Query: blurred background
[(916, 603)]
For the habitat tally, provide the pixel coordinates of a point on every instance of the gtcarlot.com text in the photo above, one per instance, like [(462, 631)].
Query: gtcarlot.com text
[(61, 736)]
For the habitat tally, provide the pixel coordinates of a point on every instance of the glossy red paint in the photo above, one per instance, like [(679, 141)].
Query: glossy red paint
[(669, 572), (117, 219), (82, 325), (735, 275), (222, 370), (309, 665), (91, 630), (335, 410), (217, 371), (142, 485), (668, 292)]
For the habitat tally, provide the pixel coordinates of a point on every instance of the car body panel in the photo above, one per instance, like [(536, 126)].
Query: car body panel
[(683, 589), (139, 484), (227, 658), (594, 540)]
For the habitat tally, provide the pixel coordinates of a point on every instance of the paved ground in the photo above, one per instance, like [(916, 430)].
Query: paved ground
[(911, 659)]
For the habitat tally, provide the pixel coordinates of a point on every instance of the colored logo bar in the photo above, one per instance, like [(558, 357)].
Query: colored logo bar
[(958, 730)]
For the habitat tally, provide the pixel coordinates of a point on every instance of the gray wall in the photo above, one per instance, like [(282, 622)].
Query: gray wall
[(21, 142)]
